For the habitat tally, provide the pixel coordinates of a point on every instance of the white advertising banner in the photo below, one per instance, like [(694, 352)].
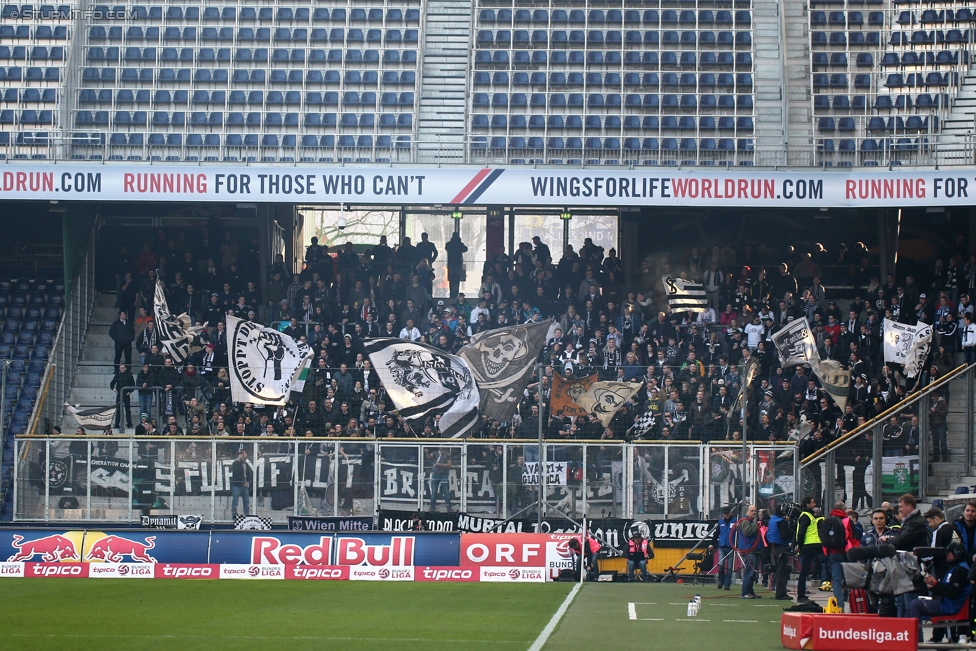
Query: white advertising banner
[(527, 186)]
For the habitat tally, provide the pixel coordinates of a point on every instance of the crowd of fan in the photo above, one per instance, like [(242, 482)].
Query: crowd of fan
[(689, 365)]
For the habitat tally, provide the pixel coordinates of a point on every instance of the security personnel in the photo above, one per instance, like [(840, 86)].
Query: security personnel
[(723, 543), (808, 539), (780, 537), (638, 551)]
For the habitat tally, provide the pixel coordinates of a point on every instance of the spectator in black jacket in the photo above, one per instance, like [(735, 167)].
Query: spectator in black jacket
[(913, 533), (123, 401), (949, 588), (123, 334), (966, 526), (941, 530)]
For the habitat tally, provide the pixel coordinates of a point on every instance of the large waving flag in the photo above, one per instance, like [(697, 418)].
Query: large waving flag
[(566, 392), (502, 361), (684, 295), (795, 344), (178, 335), (423, 380), (265, 365), (604, 399)]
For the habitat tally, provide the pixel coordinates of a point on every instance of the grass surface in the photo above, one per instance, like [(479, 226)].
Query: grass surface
[(599, 618), (107, 614)]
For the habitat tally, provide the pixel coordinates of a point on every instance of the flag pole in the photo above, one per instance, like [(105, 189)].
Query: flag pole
[(584, 549), (542, 460)]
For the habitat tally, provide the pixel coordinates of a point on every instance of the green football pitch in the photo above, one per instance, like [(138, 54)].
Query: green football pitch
[(215, 615)]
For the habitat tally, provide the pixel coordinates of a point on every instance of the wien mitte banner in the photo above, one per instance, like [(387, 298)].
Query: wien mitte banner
[(524, 186)]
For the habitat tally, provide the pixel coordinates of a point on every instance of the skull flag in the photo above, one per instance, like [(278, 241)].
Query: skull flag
[(565, 393), (424, 381), (603, 399), (501, 362)]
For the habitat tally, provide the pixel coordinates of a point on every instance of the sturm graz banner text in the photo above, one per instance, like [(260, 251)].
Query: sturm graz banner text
[(400, 484)]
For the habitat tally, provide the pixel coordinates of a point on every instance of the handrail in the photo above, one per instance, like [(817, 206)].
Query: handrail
[(858, 431), (39, 405)]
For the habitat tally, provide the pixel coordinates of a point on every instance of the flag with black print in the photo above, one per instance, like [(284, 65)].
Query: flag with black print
[(684, 295), (502, 361), (643, 424), (795, 343), (265, 365), (93, 417), (604, 399), (424, 381), (180, 338)]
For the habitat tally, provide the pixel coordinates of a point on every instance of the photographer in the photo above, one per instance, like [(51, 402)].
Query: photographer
[(949, 587), (780, 536)]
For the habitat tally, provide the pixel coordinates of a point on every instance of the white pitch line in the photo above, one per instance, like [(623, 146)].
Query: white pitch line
[(742, 621), (632, 610), (554, 621), (692, 619)]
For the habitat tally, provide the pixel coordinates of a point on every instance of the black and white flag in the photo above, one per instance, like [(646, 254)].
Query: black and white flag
[(604, 399), (423, 380), (180, 338), (643, 424), (501, 361), (835, 380), (795, 343), (684, 295), (919, 352), (264, 363), (92, 417)]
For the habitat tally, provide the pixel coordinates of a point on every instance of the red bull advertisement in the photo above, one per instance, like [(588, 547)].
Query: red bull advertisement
[(123, 546)]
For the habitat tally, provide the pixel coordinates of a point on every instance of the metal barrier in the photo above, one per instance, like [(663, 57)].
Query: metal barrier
[(865, 483), (119, 479)]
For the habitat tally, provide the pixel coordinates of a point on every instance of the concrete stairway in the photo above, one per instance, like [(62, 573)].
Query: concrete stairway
[(90, 387), (958, 471), (959, 127), (769, 84), (441, 114), (796, 61)]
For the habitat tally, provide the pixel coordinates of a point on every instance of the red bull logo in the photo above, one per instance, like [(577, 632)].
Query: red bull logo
[(267, 550), (112, 549), (52, 549), (355, 551)]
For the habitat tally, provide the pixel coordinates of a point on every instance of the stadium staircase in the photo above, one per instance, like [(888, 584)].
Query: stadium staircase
[(959, 472), (769, 82), (796, 61), (94, 371), (444, 81), (959, 127)]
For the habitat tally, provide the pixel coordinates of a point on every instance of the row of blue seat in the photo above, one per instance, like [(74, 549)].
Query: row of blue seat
[(29, 95), (849, 145), (942, 57), (29, 116), (16, 73), (629, 122), (41, 32), (89, 96), (36, 53), (814, 3), (605, 144), (597, 38), (615, 16), (881, 102), (238, 76), (875, 123), (235, 140), (931, 16), (217, 118), (251, 35), (873, 39), (918, 80), (614, 79), (258, 55), (187, 55), (849, 19), (612, 100), (263, 14), (631, 58), (45, 12)]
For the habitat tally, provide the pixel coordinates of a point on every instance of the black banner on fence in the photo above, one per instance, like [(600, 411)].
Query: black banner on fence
[(330, 524), (613, 532)]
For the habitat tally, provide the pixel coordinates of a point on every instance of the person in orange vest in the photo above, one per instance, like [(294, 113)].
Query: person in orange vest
[(589, 555), (638, 551)]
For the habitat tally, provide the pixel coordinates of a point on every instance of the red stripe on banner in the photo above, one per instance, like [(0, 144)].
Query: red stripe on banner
[(472, 184)]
